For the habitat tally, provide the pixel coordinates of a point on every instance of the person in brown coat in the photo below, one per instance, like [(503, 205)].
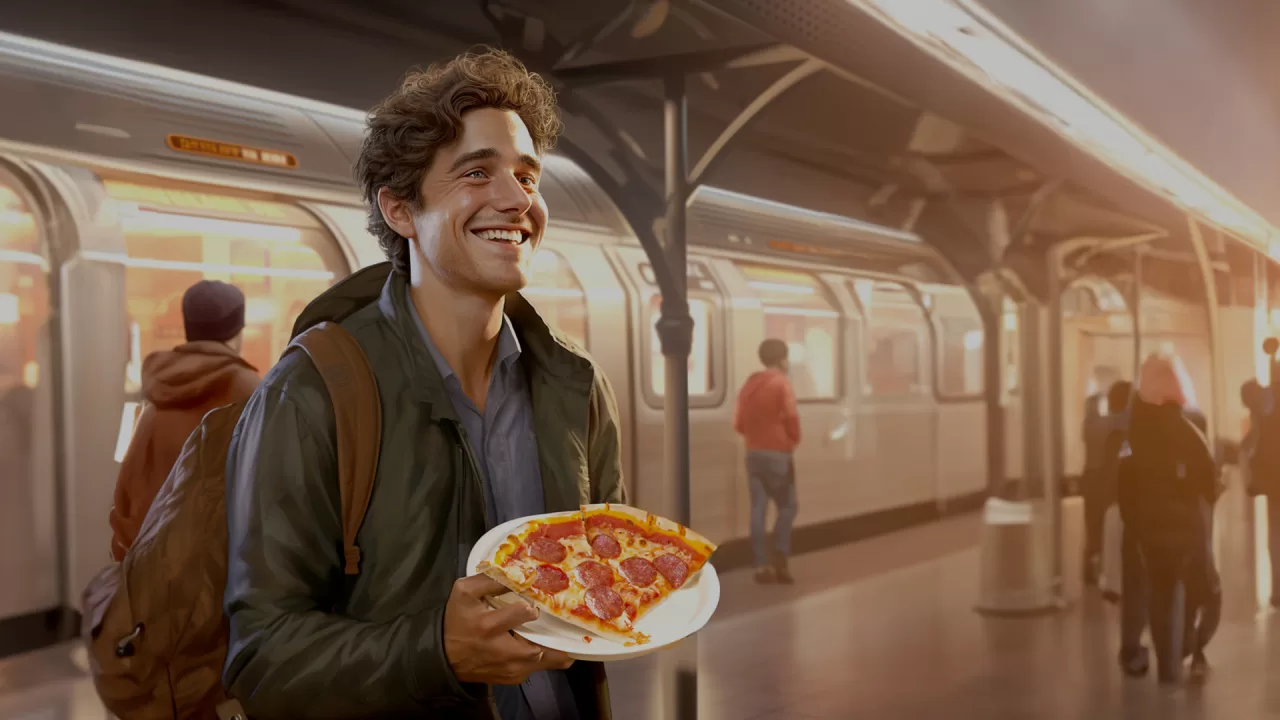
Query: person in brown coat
[(179, 387)]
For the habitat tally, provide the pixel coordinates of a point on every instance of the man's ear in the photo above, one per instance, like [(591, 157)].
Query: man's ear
[(397, 213)]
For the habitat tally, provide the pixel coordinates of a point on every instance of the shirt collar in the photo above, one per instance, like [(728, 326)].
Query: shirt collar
[(508, 344)]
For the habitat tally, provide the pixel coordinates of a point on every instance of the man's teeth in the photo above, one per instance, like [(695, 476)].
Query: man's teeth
[(513, 236)]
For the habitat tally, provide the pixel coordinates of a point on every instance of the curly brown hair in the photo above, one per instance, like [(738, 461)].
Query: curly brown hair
[(425, 113)]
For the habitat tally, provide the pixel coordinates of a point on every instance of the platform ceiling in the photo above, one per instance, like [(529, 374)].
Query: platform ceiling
[(878, 129)]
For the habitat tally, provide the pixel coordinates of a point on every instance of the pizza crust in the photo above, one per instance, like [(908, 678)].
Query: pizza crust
[(649, 521)]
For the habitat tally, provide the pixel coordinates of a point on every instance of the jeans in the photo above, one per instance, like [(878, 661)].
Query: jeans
[(772, 477), (1167, 574), (1095, 510), (1204, 593), (1273, 541), (1133, 593)]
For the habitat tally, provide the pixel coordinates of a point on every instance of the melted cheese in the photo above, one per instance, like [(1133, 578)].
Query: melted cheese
[(574, 596)]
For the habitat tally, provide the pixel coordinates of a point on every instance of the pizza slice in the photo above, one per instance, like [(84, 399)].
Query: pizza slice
[(601, 569), (653, 555)]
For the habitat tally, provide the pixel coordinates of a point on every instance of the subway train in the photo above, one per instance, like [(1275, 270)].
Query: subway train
[(123, 183)]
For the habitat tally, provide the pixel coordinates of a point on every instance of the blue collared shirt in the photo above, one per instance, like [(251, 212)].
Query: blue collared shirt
[(506, 450)]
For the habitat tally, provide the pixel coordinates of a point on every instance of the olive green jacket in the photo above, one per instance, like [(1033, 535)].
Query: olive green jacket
[(382, 655)]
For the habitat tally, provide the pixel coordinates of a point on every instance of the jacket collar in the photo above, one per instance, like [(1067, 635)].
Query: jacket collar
[(546, 354), (212, 347)]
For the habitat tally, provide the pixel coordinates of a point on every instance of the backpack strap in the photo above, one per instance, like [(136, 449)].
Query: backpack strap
[(357, 411)]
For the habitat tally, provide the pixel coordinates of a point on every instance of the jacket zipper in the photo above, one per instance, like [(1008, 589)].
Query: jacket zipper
[(475, 471)]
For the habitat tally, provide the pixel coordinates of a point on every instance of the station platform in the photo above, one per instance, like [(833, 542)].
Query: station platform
[(886, 629)]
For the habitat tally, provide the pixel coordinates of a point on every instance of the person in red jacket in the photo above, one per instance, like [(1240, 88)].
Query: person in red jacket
[(179, 387), (766, 418)]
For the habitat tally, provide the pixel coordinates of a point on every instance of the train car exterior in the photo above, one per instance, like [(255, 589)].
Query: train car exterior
[(122, 183)]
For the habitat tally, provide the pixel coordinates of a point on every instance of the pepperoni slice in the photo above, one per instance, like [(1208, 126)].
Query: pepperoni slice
[(592, 574), (550, 551), (551, 579), (638, 571), (606, 546), (673, 568), (604, 602)]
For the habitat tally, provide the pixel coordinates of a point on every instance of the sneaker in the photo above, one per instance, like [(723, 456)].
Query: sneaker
[(780, 569), (783, 575), (1199, 669), (765, 575), (1092, 570), (1135, 662)]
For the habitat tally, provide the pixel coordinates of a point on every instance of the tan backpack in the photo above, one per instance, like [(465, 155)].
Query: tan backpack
[(154, 623)]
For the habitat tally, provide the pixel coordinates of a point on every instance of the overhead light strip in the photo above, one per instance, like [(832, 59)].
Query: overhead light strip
[(969, 39)]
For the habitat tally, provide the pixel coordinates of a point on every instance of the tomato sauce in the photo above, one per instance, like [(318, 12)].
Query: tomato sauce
[(558, 530), (660, 538)]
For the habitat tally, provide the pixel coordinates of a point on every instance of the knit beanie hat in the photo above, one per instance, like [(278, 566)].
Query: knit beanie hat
[(212, 310)]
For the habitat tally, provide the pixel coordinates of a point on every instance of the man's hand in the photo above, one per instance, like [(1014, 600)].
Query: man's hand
[(477, 639)]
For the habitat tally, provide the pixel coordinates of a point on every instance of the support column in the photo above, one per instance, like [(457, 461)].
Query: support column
[(1261, 316), (1135, 307), (1214, 412), (993, 389), (677, 665), (1016, 567), (1055, 450)]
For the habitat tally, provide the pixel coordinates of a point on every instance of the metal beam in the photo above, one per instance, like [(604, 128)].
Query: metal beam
[(913, 214), (1055, 452), (749, 113), (1214, 413), (1037, 202), (1135, 307), (666, 65), (596, 34)]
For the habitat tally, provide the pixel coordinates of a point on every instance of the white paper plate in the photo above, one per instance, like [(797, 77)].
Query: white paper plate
[(679, 616)]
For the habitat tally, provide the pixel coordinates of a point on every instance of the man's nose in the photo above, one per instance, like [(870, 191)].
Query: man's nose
[(511, 196)]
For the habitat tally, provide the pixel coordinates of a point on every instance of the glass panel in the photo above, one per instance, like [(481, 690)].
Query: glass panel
[(960, 356), (797, 311), (1012, 373), (699, 357), (276, 253), (26, 429), (555, 291), (24, 295), (893, 363)]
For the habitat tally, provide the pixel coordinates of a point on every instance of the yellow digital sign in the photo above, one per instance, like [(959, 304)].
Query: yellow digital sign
[(231, 151)]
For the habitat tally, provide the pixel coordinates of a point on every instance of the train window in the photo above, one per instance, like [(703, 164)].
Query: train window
[(700, 377), (1009, 323), (555, 291), (960, 343), (895, 332), (24, 297), (798, 311), (276, 253), (24, 294)]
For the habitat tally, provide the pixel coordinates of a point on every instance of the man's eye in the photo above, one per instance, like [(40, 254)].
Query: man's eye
[(478, 174)]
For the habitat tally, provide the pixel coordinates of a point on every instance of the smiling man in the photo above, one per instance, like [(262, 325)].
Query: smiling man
[(488, 415)]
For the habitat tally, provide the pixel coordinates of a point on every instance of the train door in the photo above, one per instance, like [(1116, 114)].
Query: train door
[(961, 459), (712, 449), (141, 244), (798, 308), (28, 518), (897, 416)]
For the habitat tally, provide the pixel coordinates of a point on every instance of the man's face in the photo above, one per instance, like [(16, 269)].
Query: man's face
[(482, 216)]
